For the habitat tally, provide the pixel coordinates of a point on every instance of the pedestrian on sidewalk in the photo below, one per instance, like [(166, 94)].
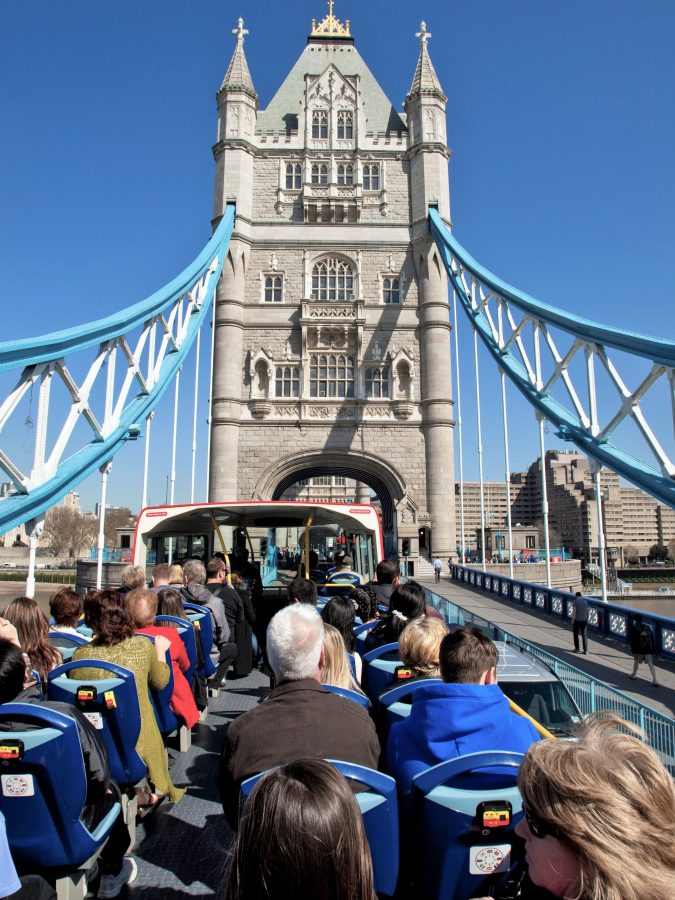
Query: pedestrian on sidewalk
[(641, 639), (438, 566), (580, 621)]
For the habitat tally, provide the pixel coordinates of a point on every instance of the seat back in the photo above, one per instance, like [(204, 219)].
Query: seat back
[(161, 697), (360, 632), (379, 667), (463, 835), (186, 632), (200, 616), (110, 702), (379, 809), (395, 703), (349, 695), (66, 644), (43, 788)]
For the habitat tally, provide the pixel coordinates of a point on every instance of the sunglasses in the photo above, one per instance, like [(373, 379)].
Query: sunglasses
[(538, 826)]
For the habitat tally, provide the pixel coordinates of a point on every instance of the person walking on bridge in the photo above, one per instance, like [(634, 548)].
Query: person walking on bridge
[(580, 621), (438, 566), (641, 639)]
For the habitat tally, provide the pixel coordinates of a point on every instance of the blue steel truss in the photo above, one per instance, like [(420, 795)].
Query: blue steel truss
[(504, 316), (153, 337)]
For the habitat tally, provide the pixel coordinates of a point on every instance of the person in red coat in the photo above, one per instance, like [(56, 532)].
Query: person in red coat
[(142, 605)]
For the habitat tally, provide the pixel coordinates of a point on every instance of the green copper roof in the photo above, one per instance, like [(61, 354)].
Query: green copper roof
[(282, 112)]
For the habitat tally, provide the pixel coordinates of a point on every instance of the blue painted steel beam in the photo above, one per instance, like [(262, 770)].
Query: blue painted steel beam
[(659, 350)]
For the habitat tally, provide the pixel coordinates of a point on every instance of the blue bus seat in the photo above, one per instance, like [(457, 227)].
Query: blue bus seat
[(186, 632), (167, 722), (66, 644), (111, 705), (200, 616), (458, 845), (395, 703), (379, 667), (360, 632), (379, 809), (43, 791), (349, 695), (352, 664)]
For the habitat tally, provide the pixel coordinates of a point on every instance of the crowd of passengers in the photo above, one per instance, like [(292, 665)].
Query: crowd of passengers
[(599, 820)]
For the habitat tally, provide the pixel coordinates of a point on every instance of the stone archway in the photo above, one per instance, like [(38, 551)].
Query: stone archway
[(367, 468)]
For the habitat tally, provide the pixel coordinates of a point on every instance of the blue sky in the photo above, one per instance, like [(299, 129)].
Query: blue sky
[(561, 118)]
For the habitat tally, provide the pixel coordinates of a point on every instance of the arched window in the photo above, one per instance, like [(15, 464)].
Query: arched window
[(391, 290), (345, 174), (331, 375), (332, 279), (288, 381), (320, 124), (273, 288), (371, 177), (345, 125), (293, 176), (377, 381), (319, 173)]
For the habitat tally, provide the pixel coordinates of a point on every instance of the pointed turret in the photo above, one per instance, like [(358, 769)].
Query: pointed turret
[(238, 77), (425, 79)]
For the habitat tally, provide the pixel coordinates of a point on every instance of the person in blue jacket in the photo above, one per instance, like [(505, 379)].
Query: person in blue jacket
[(464, 713)]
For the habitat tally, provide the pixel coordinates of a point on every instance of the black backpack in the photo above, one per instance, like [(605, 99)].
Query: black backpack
[(645, 639)]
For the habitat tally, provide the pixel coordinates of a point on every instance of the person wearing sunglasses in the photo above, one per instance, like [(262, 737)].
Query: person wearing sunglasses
[(599, 816)]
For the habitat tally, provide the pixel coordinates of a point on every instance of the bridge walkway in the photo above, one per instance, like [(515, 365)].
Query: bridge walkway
[(607, 660)]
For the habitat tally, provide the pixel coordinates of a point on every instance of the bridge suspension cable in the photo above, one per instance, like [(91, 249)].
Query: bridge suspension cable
[(152, 338), (552, 356)]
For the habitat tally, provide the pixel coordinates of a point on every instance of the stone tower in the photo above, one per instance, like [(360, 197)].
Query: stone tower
[(332, 340)]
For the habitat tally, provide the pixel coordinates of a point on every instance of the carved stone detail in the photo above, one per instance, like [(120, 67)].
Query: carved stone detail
[(260, 408), (377, 411), (334, 311)]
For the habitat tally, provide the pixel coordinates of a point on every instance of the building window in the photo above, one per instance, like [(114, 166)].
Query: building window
[(319, 173), (391, 290), (332, 279), (331, 375), (274, 288), (322, 480), (288, 381), (340, 480), (345, 125), (529, 541), (345, 174), (377, 382), (371, 177), (320, 124), (293, 176)]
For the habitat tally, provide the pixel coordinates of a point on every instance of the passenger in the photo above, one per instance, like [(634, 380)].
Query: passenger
[(419, 647), (365, 602), (169, 603), (300, 717), (195, 591), (464, 713), (160, 577), (407, 603), (32, 628), (114, 641), (337, 670), (132, 577), (599, 815), (102, 793), (176, 576), (345, 574), (302, 590), (235, 613), (387, 578), (142, 604), (301, 835), (339, 612), (65, 607)]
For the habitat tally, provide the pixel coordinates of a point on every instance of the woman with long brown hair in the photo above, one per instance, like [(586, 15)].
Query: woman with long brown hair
[(32, 628), (301, 836)]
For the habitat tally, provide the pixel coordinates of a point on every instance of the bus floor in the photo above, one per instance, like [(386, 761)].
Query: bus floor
[(181, 850)]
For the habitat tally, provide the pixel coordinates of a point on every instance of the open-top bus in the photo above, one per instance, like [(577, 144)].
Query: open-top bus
[(176, 533)]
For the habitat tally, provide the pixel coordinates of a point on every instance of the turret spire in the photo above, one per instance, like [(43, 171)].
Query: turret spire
[(425, 78), (238, 75)]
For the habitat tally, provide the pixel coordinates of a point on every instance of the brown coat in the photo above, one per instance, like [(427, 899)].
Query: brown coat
[(299, 719)]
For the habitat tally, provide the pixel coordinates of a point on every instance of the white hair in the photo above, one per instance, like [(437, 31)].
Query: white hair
[(294, 642)]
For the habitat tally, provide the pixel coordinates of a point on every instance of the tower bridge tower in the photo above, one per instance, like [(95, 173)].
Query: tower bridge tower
[(332, 339)]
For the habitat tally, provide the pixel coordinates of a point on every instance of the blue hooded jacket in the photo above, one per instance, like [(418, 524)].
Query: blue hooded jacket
[(451, 720)]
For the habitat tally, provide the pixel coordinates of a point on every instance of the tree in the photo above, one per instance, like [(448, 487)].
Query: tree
[(671, 548), (116, 518), (658, 551), (631, 553), (68, 531)]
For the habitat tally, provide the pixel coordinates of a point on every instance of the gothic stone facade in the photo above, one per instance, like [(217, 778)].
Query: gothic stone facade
[(332, 342)]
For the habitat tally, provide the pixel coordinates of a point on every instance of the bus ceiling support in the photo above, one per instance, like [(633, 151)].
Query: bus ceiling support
[(194, 419), (105, 471), (146, 459), (507, 470), (480, 453), (458, 400)]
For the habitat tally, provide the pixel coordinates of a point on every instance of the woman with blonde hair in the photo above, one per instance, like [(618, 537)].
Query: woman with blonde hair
[(176, 574), (419, 646), (599, 819), (337, 670)]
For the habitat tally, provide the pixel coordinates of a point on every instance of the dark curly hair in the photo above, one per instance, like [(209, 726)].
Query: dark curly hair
[(105, 612)]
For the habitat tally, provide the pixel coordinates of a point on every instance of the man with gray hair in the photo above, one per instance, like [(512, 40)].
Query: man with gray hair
[(300, 718), (195, 591)]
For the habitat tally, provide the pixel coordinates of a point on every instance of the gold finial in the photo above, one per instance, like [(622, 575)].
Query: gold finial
[(240, 31), (423, 34), (330, 25)]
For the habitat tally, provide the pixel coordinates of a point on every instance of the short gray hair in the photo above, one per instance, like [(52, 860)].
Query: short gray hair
[(194, 572), (294, 642), (133, 577)]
